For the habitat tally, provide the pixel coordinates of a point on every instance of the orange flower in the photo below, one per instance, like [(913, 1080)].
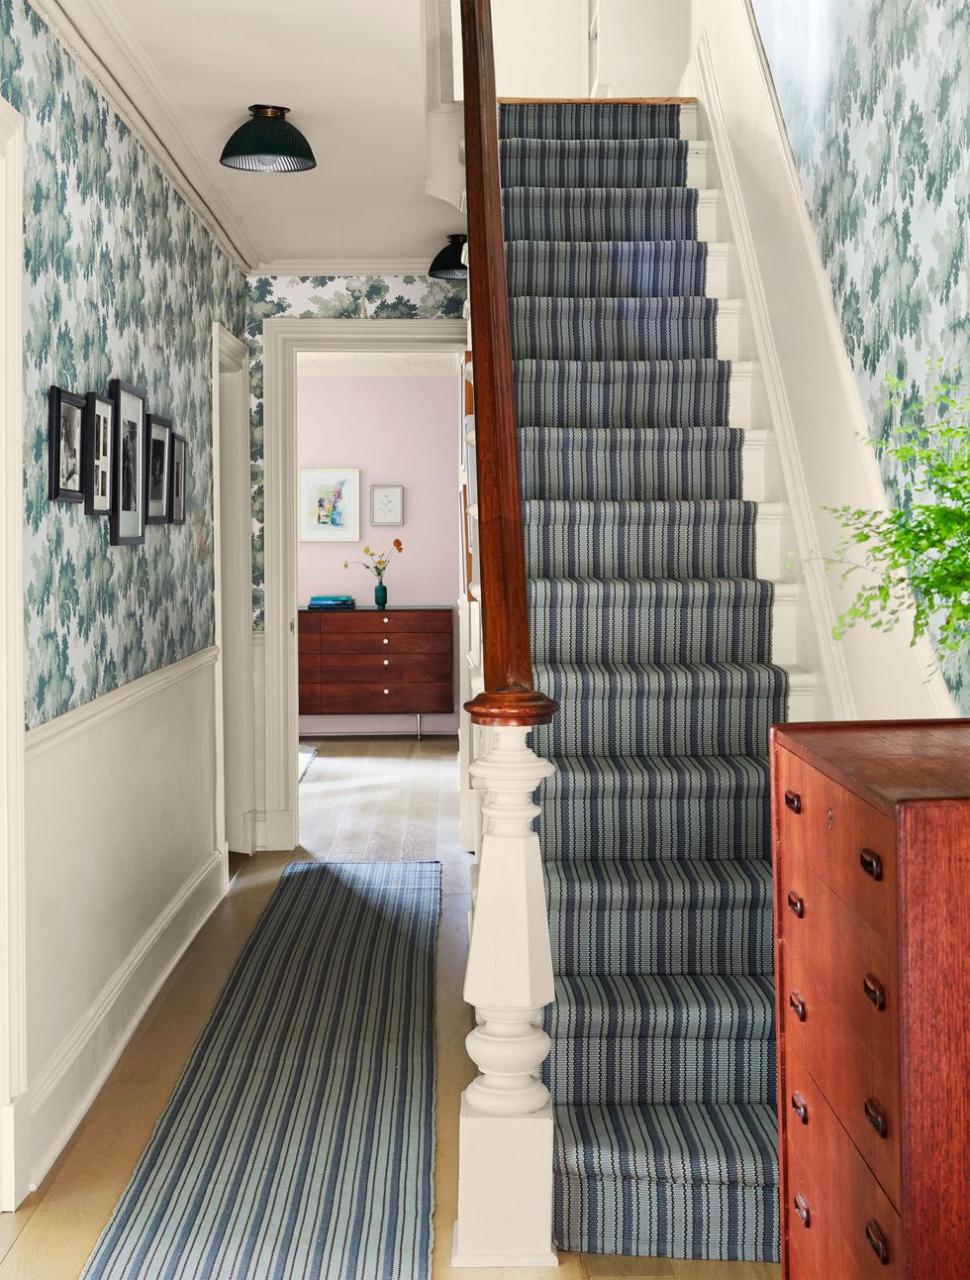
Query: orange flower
[(398, 544)]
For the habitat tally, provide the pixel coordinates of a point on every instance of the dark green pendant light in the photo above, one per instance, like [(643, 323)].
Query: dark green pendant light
[(268, 143), (447, 264)]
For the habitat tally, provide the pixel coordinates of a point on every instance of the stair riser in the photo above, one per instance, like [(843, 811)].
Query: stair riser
[(617, 466), (673, 397), (645, 1219), (673, 214), (719, 550), (598, 270), (630, 827), (679, 724), (617, 329), (699, 939), (598, 119), (604, 163), (664, 629), (620, 1072)]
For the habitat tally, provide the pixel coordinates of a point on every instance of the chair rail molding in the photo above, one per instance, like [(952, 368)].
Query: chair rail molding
[(13, 965), (814, 401), (283, 341)]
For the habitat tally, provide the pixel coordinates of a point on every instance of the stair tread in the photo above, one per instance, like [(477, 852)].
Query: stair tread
[(596, 117), (686, 509), (627, 884), (686, 1143), (646, 1006)]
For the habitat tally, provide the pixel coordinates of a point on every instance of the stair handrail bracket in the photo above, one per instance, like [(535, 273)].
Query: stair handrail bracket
[(505, 1162)]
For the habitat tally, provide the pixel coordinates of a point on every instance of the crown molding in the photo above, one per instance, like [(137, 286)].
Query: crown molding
[(345, 266), (97, 37)]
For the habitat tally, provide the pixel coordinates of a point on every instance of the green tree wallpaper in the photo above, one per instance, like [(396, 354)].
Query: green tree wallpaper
[(122, 280), (330, 298), (876, 97)]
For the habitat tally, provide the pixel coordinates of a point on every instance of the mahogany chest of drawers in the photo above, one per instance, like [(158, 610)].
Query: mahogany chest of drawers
[(872, 871), (376, 661)]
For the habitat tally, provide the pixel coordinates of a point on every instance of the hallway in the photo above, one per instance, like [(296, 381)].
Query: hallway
[(371, 799)]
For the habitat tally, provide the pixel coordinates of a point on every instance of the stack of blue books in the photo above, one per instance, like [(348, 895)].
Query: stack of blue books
[(332, 602)]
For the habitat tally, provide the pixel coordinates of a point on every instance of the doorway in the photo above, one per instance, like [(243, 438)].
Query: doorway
[(287, 345)]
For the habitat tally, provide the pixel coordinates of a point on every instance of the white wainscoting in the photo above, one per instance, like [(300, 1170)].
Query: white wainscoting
[(122, 870)]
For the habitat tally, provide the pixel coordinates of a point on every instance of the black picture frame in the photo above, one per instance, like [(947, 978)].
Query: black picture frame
[(126, 522), (99, 434), (158, 466), (65, 445), (177, 479)]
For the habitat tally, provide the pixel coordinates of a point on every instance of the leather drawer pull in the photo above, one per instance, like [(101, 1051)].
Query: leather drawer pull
[(796, 904), (871, 863), (875, 992), (805, 1213), (877, 1117), (793, 801), (800, 1107), (878, 1241), (796, 1002)]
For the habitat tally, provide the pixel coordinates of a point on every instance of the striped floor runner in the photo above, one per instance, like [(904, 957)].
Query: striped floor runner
[(299, 1142), (653, 631)]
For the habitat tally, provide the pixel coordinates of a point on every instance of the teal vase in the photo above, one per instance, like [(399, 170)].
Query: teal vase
[(380, 595)]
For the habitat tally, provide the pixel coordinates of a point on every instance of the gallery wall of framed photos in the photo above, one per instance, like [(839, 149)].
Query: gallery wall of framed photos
[(121, 461)]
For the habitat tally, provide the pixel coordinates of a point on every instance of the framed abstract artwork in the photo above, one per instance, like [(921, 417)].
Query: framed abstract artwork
[(99, 430), (126, 520), (177, 479), (329, 504), (65, 445), (159, 448), (387, 504)]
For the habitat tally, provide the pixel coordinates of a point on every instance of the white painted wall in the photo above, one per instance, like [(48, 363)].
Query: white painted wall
[(816, 409), (640, 47), (541, 48), (122, 869)]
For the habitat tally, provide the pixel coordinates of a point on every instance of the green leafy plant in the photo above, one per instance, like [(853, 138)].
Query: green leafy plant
[(918, 552)]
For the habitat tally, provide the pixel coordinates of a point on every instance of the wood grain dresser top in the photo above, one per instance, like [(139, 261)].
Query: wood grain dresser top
[(887, 761)]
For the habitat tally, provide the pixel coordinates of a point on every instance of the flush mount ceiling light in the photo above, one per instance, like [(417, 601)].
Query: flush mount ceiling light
[(448, 264), (268, 143)]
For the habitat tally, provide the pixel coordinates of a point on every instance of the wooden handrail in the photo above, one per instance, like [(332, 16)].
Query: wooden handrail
[(509, 697)]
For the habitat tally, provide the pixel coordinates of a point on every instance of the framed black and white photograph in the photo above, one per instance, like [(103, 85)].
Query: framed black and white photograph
[(387, 504), (177, 465), (65, 445), (159, 446), (128, 501), (99, 426)]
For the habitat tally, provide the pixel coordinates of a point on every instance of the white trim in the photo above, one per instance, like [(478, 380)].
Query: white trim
[(346, 266), (235, 741), (79, 1066), (13, 964), (283, 340), (96, 35), (55, 732)]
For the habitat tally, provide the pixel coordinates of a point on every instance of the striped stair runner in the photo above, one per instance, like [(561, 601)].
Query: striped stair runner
[(651, 628)]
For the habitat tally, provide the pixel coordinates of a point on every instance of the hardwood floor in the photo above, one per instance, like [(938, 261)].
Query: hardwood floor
[(366, 798)]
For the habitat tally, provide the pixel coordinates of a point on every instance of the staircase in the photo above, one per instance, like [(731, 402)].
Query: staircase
[(653, 630)]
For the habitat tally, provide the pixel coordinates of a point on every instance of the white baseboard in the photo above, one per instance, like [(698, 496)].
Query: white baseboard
[(70, 1081)]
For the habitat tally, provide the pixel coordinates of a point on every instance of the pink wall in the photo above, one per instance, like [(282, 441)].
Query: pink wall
[(395, 431)]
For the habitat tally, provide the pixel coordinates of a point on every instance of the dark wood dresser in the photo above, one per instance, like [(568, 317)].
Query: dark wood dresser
[(376, 661), (872, 917)]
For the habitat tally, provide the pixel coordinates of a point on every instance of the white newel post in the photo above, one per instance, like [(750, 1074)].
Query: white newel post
[(506, 1126)]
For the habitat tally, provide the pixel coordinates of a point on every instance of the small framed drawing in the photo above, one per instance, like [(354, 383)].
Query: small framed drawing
[(99, 430), (177, 477), (329, 504), (65, 441), (159, 447), (387, 504), (126, 521)]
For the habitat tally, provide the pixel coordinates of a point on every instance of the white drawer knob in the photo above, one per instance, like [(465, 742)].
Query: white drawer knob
[(387, 662), (385, 639), (385, 619), (387, 691)]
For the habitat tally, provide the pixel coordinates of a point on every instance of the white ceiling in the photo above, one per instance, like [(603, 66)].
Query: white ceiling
[(351, 71)]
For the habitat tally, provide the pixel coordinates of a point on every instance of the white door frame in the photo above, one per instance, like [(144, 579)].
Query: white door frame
[(13, 962), (232, 556), (283, 340)]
